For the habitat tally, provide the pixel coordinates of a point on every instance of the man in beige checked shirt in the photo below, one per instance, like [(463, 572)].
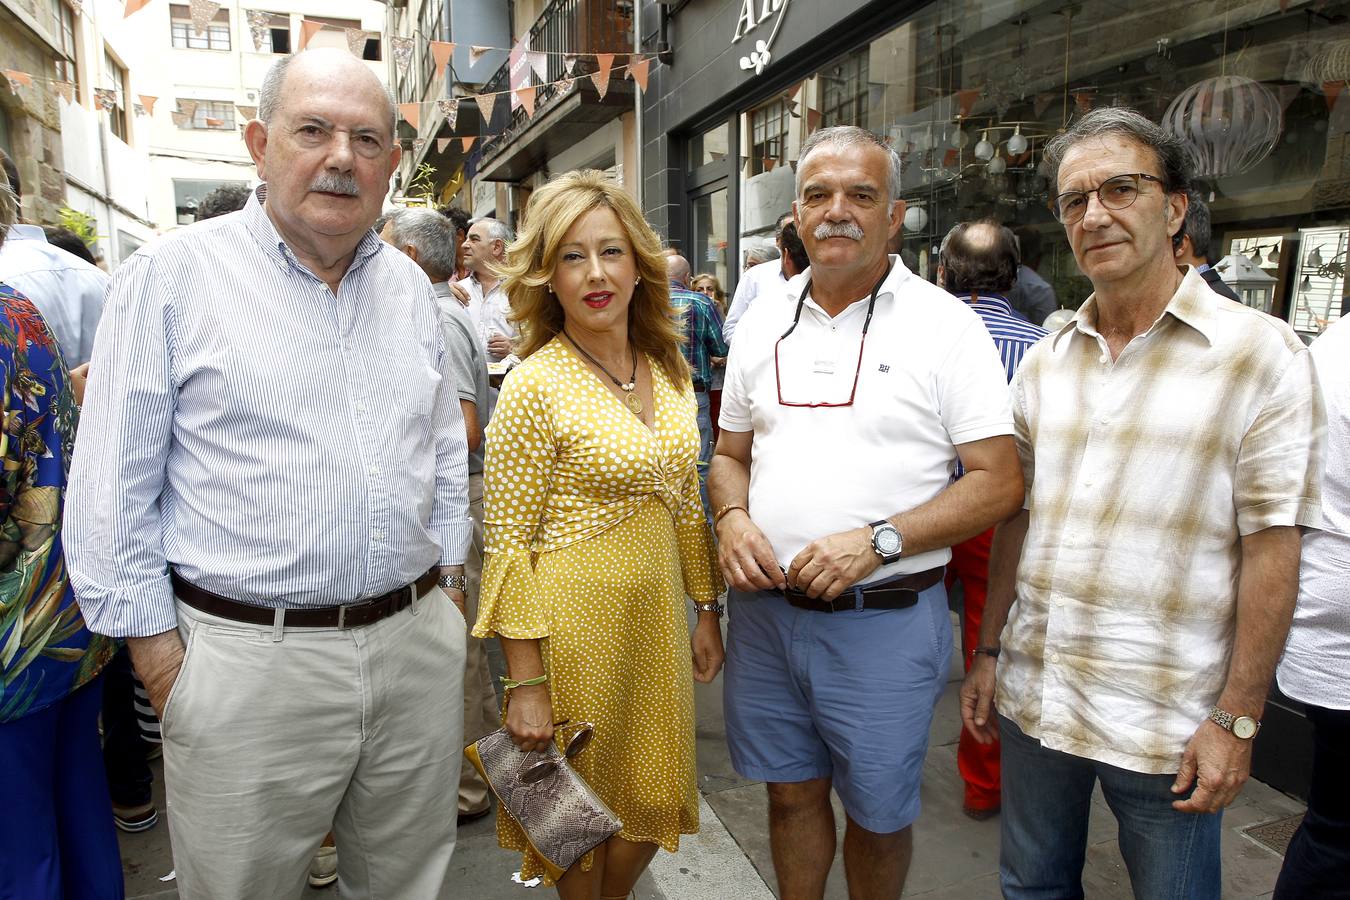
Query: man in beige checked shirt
[(1171, 440)]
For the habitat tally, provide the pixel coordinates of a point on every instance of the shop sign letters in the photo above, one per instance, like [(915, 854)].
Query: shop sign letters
[(755, 13)]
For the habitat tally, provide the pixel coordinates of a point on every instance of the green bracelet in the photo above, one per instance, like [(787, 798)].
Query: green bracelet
[(508, 684)]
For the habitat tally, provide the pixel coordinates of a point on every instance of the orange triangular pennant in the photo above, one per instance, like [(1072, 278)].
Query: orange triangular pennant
[(526, 97), (485, 104), (15, 76), (134, 5), (66, 90), (442, 143), (476, 53), (441, 51), (307, 30), (637, 68), (466, 142), (606, 62), (411, 113), (149, 103)]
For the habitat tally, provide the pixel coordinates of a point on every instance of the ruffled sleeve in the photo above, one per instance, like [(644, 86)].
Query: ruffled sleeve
[(520, 457)]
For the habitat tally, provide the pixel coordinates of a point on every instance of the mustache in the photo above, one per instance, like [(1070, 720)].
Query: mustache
[(336, 183), (838, 229)]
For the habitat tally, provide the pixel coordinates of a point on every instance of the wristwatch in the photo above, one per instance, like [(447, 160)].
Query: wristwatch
[(1243, 727), (711, 606), (453, 583), (886, 541)]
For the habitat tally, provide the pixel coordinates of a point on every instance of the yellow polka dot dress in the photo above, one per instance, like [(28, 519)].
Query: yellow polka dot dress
[(595, 535)]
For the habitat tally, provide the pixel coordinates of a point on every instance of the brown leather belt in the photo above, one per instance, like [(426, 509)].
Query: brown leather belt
[(898, 593), (351, 615)]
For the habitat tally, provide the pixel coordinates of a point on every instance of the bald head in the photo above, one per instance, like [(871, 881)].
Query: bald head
[(677, 267), (979, 257), (291, 75)]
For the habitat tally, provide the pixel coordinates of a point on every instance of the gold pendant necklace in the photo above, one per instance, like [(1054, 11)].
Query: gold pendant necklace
[(630, 399)]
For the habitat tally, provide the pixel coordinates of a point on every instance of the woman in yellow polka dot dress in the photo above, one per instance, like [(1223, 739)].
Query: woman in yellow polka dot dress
[(594, 528)]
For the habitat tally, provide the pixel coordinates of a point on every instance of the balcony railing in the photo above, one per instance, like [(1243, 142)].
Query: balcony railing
[(566, 26)]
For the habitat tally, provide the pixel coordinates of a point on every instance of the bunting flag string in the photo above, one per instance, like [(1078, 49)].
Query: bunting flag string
[(402, 48), (441, 51), (105, 98), (526, 97), (412, 114), (466, 142), (449, 109), (134, 6), (638, 72), (485, 104), (148, 101), (442, 143), (66, 90), (260, 25), (356, 40), (248, 113), (18, 79), (539, 63), (476, 53), (202, 12), (307, 31)]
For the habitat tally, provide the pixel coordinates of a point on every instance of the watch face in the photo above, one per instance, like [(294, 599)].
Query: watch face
[(1244, 727), (887, 541)]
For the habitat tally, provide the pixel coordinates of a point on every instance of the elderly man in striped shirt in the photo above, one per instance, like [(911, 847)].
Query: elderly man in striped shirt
[(268, 501), (978, 262), (1171, 445)]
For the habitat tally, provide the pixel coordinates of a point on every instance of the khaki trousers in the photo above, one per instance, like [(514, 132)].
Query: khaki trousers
[(481, 714), (271, 738)]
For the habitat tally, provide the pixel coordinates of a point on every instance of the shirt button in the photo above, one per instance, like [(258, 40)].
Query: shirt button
[(1054, 657), (360, 407), (1103, 359), (377, 535), (1058, 599), (374, 470)]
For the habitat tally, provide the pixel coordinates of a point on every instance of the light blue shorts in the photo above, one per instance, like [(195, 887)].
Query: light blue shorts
[(847, 696)]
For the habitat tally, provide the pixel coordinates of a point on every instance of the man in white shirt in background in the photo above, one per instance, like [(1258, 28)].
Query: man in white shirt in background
[(1316, 664), (483, 249), (65, 289), (764, 277)]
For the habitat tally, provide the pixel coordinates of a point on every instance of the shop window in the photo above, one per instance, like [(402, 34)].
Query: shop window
[(185, 36), (1319, 286), (709, 147), (710, 236), (844, 91), (768, 136)]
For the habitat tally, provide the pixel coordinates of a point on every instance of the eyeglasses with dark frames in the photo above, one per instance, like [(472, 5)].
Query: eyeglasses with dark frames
[(1117, 192), (862, 344)]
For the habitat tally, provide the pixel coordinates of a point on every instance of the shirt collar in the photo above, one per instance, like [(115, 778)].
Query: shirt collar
[(260, 226), (1194, 304), (891, 285), (18, 232), (989, 301)]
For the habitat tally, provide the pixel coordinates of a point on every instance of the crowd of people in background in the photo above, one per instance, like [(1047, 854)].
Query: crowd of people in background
[(262, 523)]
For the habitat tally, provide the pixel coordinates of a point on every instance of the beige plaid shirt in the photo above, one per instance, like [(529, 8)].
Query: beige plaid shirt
[(1142, 475)]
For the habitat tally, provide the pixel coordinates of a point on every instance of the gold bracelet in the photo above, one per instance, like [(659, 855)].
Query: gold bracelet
[(508, 684), (726, 508)]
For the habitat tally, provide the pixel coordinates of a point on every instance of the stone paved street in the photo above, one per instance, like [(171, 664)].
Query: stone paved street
[(955, 858)]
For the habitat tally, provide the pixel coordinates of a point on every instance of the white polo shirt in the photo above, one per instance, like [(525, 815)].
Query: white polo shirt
[(489, 312), (930, 379)]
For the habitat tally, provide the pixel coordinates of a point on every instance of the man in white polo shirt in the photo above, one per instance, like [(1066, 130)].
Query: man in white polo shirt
[(843, 416)]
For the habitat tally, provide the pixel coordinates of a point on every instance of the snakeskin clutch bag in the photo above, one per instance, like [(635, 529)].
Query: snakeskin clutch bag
[(561, 816)]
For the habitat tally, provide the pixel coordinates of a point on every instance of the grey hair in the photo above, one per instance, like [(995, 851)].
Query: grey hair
[(269, 95), (1196, 225), (1174, 157), (497, 230), (843, 137), (9, 210), (761, 253), (432, 234)]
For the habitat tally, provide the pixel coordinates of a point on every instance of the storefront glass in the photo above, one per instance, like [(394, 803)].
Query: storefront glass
[(969, 93)]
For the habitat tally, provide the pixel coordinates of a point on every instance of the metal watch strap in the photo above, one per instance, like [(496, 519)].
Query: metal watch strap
[(453, 582), (711, 606)]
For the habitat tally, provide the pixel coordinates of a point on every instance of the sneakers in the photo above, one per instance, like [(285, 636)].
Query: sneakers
[(323, 867), (133, 819)]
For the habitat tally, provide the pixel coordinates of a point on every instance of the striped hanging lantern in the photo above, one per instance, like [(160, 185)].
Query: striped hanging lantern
[(1231, 123)]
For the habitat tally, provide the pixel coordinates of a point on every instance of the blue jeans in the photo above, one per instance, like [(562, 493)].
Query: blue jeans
[(705, 448), (1047, 795)]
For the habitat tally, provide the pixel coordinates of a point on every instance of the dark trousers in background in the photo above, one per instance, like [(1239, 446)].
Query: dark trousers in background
[(978, 763), (57, 840), (1317, 863), (125, 750)]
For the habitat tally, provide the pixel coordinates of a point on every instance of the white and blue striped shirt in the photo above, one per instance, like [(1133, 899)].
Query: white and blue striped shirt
[(274, 443)]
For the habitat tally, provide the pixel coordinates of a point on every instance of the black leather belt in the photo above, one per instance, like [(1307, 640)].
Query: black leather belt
[(898, 593), (351, 615)]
